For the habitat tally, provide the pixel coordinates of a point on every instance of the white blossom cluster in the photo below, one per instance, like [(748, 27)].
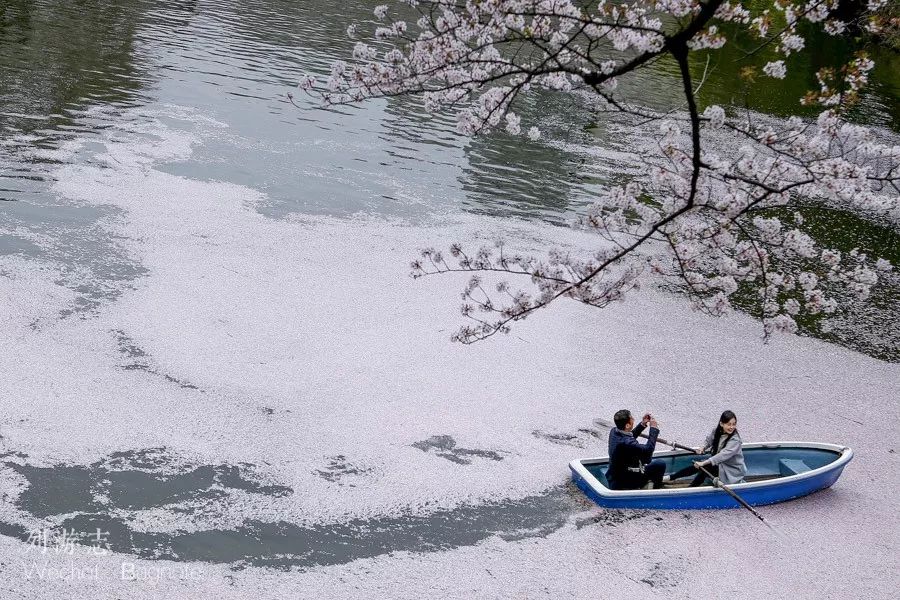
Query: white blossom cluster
[(713, 225)]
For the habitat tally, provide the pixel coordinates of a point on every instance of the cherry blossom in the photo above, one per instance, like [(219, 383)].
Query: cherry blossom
[(716, 220), (775, 69)]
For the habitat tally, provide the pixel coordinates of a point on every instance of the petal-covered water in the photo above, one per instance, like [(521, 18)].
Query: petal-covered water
[(216, 364)]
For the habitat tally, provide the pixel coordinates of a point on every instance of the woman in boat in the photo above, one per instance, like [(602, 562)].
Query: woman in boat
[(727, 460)]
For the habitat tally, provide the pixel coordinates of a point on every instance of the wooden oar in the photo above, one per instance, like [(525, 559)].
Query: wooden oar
[(734, 495), (715, 480)]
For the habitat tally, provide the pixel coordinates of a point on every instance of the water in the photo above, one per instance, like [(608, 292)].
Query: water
[(127, 481), (237, 61), (77, 70)]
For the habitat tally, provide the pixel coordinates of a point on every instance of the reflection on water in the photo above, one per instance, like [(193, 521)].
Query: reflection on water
[(235, 61), (724, 85), (58, 60), (72, 71), (77, 70)]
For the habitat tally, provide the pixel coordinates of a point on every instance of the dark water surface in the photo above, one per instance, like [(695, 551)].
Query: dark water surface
[(236, 61), (133, 481)]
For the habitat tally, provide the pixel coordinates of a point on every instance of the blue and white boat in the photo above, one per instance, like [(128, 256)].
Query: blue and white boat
[(776, 471)]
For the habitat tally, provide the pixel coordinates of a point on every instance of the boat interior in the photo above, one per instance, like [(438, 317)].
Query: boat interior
[(763, 463)]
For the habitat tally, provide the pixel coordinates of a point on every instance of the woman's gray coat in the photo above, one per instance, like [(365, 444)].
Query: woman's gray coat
[(728, 457)]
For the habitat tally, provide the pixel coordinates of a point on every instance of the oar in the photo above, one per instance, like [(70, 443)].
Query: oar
[(734, 495), (715, 480)]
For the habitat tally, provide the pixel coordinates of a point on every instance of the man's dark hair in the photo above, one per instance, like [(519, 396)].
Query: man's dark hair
[(621, 418)]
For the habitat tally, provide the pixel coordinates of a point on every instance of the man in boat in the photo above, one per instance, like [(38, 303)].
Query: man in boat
[(631, 463)]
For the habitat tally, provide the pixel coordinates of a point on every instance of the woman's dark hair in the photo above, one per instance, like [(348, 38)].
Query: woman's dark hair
[(726, 416)]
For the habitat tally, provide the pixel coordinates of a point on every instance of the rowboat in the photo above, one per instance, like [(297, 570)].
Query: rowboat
[(776, 471)]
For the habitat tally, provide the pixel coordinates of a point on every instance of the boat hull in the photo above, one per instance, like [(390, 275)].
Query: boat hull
[(588, 475)]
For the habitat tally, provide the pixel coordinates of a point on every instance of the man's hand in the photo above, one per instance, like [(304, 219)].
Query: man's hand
[(700, 463), (698, 450), (646, 419), (654, 423)]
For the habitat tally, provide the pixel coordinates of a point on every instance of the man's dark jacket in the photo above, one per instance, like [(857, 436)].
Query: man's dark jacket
[(624, 452)]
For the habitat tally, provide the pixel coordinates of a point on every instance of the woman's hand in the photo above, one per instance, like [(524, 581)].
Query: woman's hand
[(700, 463), (698, 450)]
